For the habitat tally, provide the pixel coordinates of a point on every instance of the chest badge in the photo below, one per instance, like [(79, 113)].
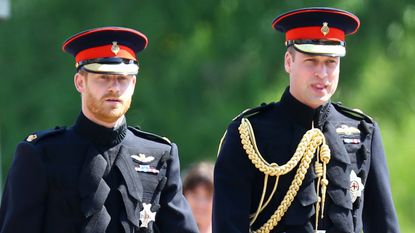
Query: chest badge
[(347, 130), (142, 158), (351, 141), (146, 215), (356, 186), (146, 169)]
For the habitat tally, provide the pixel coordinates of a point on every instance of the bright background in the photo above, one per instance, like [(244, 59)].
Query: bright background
[(206, 62)]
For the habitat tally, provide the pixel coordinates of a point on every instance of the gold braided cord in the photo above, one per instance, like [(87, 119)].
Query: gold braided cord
[(305, 151), (249, 144), (325, 158), (261, 206), (322, 182), (264, 190), (318, 167), (272, 193)]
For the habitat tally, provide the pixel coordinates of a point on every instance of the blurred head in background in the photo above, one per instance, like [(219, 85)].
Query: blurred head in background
[(198, 190)]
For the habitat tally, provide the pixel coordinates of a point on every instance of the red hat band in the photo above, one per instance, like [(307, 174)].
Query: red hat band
[(114, 50), (315, 33)]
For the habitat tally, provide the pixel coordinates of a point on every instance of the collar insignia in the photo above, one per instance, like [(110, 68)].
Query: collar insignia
[(31, 137), (115, 48), (356, 186), (347, 130), (142, 158), (325, 29), (146, 215)]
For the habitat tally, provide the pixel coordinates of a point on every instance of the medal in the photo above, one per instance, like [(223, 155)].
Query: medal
[(356, 186), (146, 168), (351, 141), (146, 215)]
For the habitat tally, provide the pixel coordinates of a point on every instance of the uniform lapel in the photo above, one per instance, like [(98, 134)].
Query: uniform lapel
[(131, 177), (94, 191), (131, 189)]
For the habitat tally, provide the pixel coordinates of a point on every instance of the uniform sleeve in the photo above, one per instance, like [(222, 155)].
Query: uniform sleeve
[(24, 196), (379, 214), (232, 186), (175, 214)]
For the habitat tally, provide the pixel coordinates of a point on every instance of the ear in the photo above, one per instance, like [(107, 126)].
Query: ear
[(287, 62), (134, 82), (79, 81)]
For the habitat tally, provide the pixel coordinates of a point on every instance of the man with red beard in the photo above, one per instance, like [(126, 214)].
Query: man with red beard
[(305, 164), (99, 175)]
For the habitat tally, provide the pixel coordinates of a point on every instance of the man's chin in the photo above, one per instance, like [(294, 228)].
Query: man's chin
[(115, 116), (323, 101), (112, 116)]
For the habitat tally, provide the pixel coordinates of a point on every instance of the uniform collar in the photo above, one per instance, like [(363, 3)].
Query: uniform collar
[(98, 134), (303, 114)]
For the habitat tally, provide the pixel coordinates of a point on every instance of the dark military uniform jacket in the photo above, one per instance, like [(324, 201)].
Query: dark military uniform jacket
[(278, 129), (93, 179)]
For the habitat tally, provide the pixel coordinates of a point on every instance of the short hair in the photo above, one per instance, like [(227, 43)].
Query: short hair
[(83, 72), (200, 174), (291, 50)]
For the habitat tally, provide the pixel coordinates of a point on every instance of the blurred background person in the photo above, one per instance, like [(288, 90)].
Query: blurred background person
[(198, 189)]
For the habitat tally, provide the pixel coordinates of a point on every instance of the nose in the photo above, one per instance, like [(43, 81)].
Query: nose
[(114, 85), (321, 71)]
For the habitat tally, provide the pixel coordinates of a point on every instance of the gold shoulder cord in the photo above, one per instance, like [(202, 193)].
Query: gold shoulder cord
[(312, 141)]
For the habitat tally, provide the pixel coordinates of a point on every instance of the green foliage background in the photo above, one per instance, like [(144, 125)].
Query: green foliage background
[(206, 62)]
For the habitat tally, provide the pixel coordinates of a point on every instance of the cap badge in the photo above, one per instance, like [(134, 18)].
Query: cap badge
[(325, 29), (115, 48), (146, 215), (31, 137), (356, 186)]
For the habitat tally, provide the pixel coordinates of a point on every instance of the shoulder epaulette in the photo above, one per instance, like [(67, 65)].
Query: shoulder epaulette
[(253, 111), (353, 113), (149, 136), (40, 135)]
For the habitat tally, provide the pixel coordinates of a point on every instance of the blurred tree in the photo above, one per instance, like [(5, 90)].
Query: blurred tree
[(206, 62)]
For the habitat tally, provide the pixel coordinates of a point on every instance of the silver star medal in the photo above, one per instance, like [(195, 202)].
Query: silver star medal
[(146, 215), (356, 186)]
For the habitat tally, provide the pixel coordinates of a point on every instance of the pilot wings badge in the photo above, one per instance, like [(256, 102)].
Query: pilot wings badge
[(142, 158)]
